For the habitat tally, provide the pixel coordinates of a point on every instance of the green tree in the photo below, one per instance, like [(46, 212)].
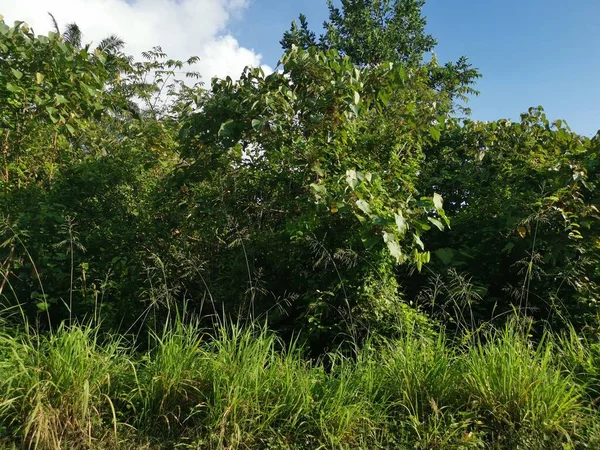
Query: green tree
[(86, 137), (301, 187), (73, 35), (372, 32), (522, 198)]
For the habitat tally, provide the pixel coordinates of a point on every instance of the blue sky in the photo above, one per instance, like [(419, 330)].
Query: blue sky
[(530, 52)]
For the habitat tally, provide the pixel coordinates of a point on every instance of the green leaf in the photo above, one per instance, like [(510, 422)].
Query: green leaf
[(319, 188), (384, 97), (51, 113), (12, 88), (435, 133), (226, 128), (43, 306), (508, 247), (90, 90), (403, 74), (437, 223), (70, 128), (418, 241), (442, 214), (418, 260), (257, 124), (60, 99), (317, 169), (393, 246), (351, 178), (39, 78), (400, 223), (356, 97), (445, 255), (371, 241), (438, 201), (363, 206), (17, 73)]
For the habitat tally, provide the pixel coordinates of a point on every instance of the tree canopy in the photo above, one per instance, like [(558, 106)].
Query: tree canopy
[(371, 32)]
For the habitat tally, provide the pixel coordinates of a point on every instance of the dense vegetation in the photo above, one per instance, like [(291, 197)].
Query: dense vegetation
[(333, 255)]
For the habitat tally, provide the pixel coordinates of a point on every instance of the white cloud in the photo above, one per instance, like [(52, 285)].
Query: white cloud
[(181, 27)]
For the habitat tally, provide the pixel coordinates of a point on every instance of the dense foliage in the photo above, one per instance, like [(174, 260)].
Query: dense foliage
[(522, 199), (343, 202)]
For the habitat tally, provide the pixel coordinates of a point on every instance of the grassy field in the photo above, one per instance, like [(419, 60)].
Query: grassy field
[(234, 388)]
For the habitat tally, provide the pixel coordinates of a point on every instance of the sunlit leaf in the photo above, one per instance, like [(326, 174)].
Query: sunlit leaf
[(363, 206), (438, 202), (351, 178), (437, 223), (17, 73)]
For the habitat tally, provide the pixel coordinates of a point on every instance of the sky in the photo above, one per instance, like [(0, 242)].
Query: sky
[(530, 52)]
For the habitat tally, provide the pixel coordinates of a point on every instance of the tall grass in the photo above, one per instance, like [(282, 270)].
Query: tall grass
[(57, 388), (520, 395), (165, 386), (258, 393), (237, 387), (421, 384)]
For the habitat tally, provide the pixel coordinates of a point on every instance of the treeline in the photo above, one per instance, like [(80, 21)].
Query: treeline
[(339, 195)]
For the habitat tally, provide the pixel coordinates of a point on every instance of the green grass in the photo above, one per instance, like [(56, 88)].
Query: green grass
[(58, 388), (242, 388), (520, 395)]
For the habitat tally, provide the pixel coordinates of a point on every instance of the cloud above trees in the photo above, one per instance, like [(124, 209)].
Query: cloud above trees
[(182, 28)]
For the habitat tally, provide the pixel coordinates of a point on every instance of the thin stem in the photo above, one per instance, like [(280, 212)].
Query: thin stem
[(5, 156)]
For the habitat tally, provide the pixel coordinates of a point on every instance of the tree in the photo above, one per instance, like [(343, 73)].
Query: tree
[(300, 187), (522, 199), (372, 32), (299, 36), (110, 45), (79, 170)]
